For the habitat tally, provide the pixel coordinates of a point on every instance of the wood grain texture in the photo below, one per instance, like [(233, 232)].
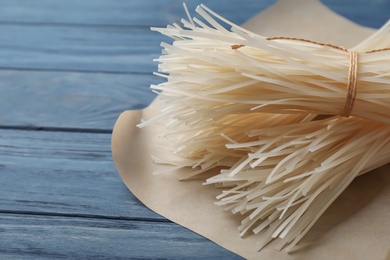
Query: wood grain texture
[(79, 48), (62, 198), (70, 99), (48, 237), (118, 12), (63, 173), (149, 12)]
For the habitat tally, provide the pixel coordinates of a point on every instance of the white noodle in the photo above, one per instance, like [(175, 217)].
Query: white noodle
[(236, 100)]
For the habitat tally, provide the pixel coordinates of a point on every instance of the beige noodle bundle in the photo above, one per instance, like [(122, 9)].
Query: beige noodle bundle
[(248, 104), (277, 75)]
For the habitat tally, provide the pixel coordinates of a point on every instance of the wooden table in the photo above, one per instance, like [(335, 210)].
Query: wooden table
[(67, 70)]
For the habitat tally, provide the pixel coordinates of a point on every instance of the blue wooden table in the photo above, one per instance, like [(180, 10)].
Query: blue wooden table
[(67, 70)]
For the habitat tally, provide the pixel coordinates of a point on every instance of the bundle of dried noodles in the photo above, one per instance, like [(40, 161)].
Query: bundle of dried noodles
[(248, 104)]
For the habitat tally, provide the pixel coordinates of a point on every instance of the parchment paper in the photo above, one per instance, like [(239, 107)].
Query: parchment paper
[(356, 226)]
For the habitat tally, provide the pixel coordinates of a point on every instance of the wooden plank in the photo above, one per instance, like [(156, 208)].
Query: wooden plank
[(70, 99), (151, 12), (116, 12), (44, 237), (63, 173), (79, 48)]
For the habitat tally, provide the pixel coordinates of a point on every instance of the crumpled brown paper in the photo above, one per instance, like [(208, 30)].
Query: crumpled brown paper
[(356, 226)]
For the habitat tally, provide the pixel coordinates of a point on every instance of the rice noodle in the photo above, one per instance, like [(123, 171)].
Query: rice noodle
[(248, 104)]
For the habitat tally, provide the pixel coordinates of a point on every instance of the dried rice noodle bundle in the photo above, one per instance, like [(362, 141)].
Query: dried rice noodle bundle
[(281, 171), (294, 172), (195, 129), (279, 75)]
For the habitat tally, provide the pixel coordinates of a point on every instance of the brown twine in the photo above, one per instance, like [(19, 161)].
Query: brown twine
[(352, 83), (341, 48), (352, 72), (308, 41)]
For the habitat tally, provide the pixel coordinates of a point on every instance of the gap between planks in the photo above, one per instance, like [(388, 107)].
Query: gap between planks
[(83, 216), (57, 129)]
